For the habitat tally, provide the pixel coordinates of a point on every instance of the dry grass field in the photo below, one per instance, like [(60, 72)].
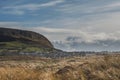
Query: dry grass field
[(77, 68)]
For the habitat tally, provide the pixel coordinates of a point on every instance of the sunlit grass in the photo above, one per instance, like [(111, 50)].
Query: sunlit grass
[(77, 68)]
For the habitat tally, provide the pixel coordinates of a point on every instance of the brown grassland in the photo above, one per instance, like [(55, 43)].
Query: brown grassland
[(104, 67)]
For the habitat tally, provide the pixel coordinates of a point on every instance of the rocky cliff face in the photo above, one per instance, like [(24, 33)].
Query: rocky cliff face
[(8, 35)]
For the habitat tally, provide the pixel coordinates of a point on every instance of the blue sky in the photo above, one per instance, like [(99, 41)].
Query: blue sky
[(90, 20)]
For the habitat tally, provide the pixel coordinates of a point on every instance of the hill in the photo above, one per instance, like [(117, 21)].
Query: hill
[(16, 40), (8, 35)]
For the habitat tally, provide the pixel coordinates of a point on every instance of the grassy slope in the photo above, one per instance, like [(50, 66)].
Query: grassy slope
[(21, 47)]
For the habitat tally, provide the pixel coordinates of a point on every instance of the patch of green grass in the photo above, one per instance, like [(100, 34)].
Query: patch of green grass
[(21, 47), (33, 49), (14, 44)]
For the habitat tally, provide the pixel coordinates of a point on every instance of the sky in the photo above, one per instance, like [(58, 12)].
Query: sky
[(68, 24)]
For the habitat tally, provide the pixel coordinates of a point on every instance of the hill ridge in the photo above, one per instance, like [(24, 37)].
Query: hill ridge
[(9, 34)]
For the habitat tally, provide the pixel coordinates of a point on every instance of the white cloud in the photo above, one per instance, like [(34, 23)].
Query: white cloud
[(8, 24), (14, 12), (88, 37), (89, 8), (115, 4), (21, 9), (52, 3)]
